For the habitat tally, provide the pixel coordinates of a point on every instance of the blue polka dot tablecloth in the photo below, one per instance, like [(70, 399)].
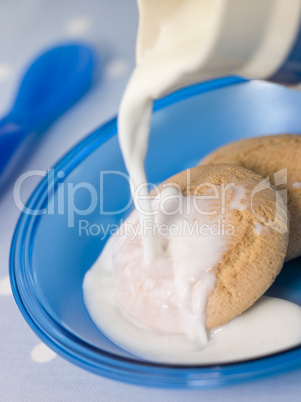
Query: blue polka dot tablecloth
[(29, 370)]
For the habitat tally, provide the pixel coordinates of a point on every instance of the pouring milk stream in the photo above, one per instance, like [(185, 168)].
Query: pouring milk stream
[(181, 42)]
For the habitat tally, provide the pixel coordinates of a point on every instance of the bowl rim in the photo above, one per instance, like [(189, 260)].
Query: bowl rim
[(94, 359)]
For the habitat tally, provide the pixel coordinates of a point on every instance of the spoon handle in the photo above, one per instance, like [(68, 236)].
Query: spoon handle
[(11, 136)]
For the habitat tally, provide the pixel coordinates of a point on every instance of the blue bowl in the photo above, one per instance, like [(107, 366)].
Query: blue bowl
[(51, 251)]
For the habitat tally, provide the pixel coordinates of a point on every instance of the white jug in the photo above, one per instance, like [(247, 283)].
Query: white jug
[(252, 38)]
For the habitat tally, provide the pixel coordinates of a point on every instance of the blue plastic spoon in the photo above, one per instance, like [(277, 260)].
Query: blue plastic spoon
[(52, 84)]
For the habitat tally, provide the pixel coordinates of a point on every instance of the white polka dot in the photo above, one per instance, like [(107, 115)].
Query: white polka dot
[(42, 354), (117, 68), (78, 25), (5, 288), (5, 71)]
